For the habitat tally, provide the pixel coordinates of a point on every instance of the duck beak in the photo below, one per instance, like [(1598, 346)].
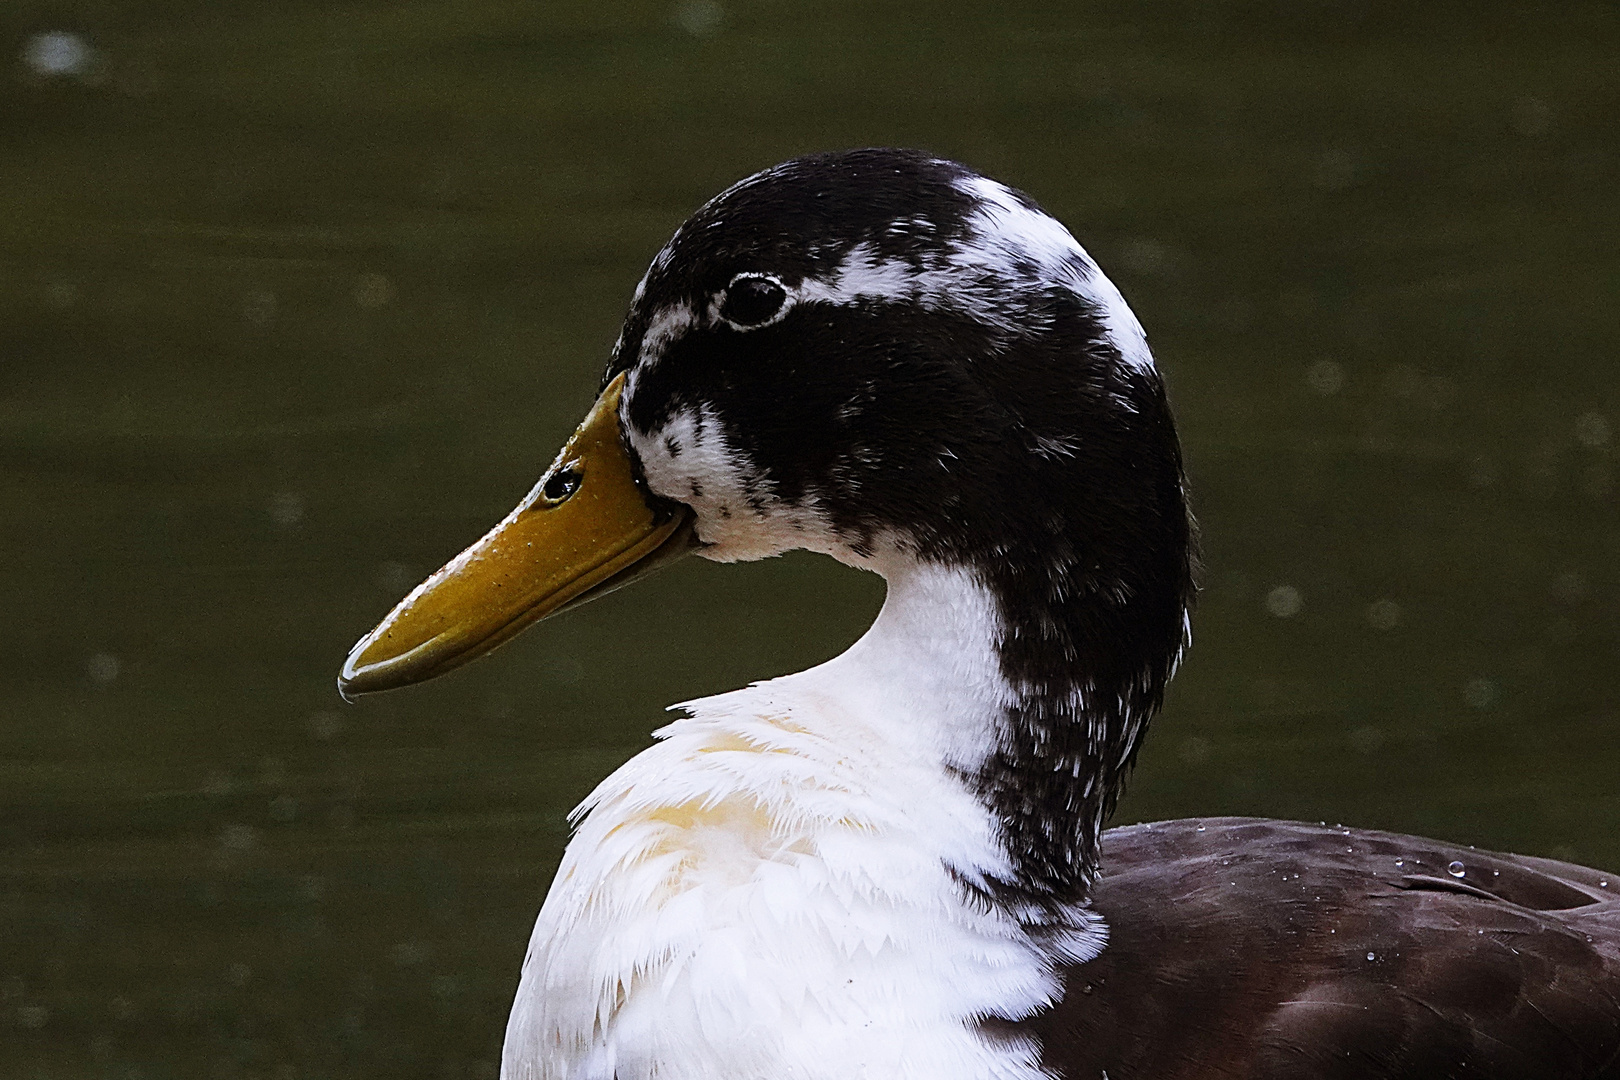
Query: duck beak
[(587, 528)]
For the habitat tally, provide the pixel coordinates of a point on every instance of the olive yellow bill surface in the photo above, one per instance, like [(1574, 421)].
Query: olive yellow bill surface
[(586, 528)]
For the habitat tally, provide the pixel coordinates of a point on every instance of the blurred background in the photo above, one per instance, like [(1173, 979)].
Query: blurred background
[(297, 298)]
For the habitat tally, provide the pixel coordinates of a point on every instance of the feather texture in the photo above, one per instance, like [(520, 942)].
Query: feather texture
[(777, 887)]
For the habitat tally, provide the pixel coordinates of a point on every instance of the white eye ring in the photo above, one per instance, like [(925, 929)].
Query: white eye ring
[(774, 292)]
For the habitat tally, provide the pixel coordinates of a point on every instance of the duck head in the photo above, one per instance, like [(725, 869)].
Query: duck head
[(890, 359)]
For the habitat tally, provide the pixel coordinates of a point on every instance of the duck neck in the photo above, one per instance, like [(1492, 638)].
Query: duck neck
[(1027, 705), (930, 661)]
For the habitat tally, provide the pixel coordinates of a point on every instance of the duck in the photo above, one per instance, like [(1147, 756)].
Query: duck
[(894, 864)]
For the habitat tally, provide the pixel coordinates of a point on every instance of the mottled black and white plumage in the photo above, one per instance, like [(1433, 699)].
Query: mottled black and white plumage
[(949, 372), (889, 865)]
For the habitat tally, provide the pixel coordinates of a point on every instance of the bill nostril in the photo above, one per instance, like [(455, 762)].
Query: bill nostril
[(562, 484)]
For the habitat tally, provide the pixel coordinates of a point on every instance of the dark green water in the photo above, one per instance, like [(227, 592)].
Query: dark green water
[(296, 298)]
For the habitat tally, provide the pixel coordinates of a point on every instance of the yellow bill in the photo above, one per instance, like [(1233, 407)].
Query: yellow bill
[(586, 528)]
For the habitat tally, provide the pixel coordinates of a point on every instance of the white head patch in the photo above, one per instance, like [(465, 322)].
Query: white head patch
[(1011, 248)]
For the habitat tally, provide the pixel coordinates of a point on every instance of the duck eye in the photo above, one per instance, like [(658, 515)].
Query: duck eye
[(561, 484), (752, 299)]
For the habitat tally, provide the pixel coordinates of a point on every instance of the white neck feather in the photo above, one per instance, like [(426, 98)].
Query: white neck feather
[(775, 888)]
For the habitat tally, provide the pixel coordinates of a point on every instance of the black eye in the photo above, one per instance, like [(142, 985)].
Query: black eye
[(561, 484), (751, 300)]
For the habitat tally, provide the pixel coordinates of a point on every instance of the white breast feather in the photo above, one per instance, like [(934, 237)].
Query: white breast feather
[(765, 892)]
